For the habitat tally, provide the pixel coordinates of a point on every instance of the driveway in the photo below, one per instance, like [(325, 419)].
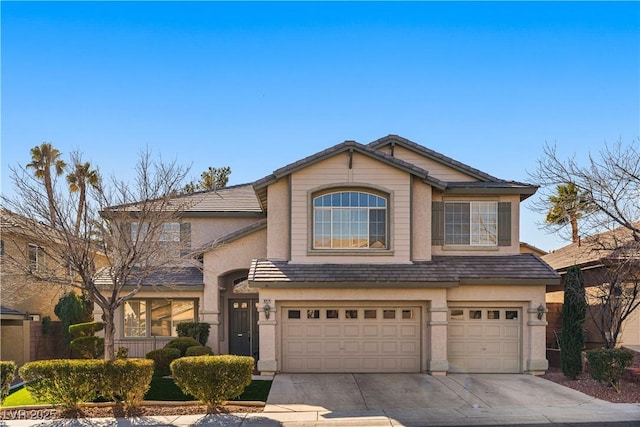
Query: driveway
[(413, 399)]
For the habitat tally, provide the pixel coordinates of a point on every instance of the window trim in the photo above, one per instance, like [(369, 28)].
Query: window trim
[(351, 187), (37, 264), (148, 319)]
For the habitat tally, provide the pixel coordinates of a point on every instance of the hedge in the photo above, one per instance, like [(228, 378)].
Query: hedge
[(213, 379), (199, 350), (127, 380), (75, 381), (182, 344), (607, 365), (66, 381), (162, 358), (7, 373), (196, 330)]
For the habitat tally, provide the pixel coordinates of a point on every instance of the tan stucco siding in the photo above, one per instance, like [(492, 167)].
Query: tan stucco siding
[(206, 230), (278, 220), (513, 249), (421, 221), (365, 172), (435, 169)]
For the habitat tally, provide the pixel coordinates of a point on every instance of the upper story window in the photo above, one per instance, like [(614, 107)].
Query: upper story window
[(36, 257), (468, 223), (471, 223), (350, 220), (172, 236)]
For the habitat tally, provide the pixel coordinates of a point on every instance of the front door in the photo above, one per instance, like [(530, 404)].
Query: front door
[(243, 327)]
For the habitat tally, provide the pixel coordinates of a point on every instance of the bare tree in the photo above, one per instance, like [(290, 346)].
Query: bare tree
[(116, 248), (609, 184)]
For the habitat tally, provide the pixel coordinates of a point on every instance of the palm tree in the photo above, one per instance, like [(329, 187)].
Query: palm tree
[(567, 207), (43, 158), (81, 176)]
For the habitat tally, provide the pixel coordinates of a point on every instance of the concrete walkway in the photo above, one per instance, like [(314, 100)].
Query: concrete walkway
[(298, 400)]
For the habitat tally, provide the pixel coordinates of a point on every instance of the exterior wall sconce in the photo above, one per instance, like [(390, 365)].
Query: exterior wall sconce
[(541, 311), (267, 308)]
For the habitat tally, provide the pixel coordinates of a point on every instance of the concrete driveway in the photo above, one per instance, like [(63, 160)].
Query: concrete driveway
[(413, 399)]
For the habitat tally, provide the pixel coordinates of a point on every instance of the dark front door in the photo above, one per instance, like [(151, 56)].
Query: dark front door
[(243, 327)]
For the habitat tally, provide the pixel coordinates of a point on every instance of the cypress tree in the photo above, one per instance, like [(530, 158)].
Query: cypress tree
[(573, 315)]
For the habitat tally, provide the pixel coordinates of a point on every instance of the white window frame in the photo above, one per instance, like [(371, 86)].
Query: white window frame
[(358, 221), (36, 257), (482, 226)]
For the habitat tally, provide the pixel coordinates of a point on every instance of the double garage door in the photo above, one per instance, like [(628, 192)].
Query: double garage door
[(351, 339), (388, 339), (484, 340)]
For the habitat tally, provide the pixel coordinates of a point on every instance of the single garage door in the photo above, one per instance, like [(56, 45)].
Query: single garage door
[(484, 340), (351, 339)]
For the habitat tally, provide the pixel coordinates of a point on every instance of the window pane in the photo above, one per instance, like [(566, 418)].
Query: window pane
[(388, 314), (457, 314), (475, 314), (181, 311), (493, 314), (511, 314), (293, 314), (484, 223), (313, 314), (456, 223), (332, 314), (370, 314), (351, 314), (407, 314), (161, 318), (135, 319)]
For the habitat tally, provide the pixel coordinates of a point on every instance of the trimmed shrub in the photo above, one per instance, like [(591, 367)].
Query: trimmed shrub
[(127, 380), (7, 373), (199, 331), (122, 353), (87, 347), (607, 365), (213, 379), (198, 350), (162, 358), (182, 344), (85, 329), (65, 381)]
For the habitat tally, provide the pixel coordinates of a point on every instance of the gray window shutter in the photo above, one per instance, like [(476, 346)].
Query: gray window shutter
[(504, 224), (437, 223), (185, 238)]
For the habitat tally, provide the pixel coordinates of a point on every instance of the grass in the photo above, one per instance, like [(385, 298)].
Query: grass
[(163, 389)]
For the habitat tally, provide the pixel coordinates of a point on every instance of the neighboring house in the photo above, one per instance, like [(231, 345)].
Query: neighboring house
[(526, 248), (25, 300), (386, 257), (594, 255)]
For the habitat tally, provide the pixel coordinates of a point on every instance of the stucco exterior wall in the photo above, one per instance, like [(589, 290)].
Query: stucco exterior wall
[(421, 195), (278, 220), (206, 230), (435, 169), (365, 172), (234, 256)]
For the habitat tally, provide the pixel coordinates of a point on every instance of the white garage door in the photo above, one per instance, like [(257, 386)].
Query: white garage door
[(484, 340), (351, 339)]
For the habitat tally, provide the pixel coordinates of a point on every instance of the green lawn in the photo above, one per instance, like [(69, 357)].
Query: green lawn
[(161, 389)]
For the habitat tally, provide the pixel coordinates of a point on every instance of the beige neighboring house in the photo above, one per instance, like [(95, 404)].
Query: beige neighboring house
[(385, 257), (589, 254)]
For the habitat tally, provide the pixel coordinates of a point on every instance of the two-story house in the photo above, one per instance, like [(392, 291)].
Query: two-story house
[(386, 257)]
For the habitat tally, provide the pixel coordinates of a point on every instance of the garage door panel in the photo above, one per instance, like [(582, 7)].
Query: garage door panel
[(484, 340), (368, 339)]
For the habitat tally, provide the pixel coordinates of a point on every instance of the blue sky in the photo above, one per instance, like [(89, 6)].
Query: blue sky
[(256, 86)]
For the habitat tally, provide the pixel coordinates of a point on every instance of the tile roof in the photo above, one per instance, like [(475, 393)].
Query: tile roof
[(590, 251), (10, 311), (179, 276), (441, 271)]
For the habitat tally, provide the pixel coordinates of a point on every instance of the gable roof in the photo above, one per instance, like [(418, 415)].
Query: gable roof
[(346, 146), (485, 184), (441, 271)]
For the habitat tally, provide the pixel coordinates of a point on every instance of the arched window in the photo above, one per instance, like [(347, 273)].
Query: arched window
[(350, 220)]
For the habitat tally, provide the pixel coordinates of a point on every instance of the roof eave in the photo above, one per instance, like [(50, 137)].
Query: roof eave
[(257, 284)]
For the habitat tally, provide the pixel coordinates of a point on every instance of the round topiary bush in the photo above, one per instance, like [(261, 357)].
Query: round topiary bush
[(162, 358), (198, 350), (182, 344)]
